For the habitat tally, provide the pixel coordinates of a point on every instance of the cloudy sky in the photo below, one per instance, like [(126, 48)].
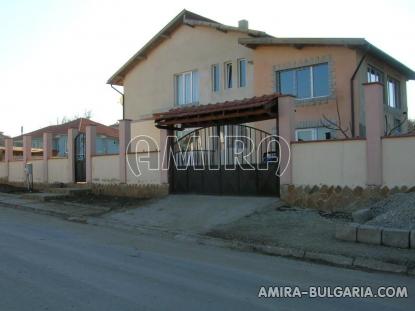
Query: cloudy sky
[(56, 55)]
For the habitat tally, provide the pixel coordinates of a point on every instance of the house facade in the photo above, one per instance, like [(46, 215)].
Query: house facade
[(197, 61)]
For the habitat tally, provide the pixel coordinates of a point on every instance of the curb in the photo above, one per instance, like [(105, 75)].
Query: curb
[(361, 263)]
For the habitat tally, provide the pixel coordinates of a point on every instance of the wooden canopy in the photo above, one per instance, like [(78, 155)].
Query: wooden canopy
[(230, 112)]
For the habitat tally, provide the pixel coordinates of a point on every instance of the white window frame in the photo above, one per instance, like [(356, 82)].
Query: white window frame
[(226, 75), (239, 72), (217, 67), (313, 133), (183, 74), (397, 96), (310, 68), (376, 71)]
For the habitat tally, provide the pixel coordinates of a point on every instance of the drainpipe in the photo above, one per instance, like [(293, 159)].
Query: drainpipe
[(352, 89), (122, 95)]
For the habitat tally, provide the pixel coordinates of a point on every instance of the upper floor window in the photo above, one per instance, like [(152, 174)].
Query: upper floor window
[(393, 93), (215, 78), (187, 87), (241, 72), (228, 75), (374, 75), (305, 82)]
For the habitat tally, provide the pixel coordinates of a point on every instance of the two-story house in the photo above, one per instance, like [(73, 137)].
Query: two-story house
[(194, 61)]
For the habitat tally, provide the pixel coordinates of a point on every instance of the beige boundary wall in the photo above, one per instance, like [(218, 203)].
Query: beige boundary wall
[(38, 170), (16, 171), (4, 170), (58, 170), (148, 163), (333, 163), (105, 169), (398, 161)]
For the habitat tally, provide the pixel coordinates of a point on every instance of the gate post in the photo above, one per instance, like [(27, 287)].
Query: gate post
[(124, 132), (72, 132), (90, 137), (374, 131), (47, 154), (164, 155), (27, 148), (286, 131), (8, 156)]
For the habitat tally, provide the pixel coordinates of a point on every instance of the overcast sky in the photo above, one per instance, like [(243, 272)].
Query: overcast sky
[(55, 56)]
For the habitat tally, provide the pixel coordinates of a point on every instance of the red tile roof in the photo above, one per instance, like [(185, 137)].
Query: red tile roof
[(220, 111), (79, 124), (223, 106)]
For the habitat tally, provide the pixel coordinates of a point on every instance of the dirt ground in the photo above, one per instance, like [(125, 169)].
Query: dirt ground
[(114, 203), (12, 189), (304, 229)]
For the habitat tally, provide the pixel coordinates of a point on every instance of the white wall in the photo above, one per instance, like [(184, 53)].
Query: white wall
[(332, 163), (105, 169), (398, 161)]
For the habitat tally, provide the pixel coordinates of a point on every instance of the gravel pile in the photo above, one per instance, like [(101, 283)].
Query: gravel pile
[(396, 211)]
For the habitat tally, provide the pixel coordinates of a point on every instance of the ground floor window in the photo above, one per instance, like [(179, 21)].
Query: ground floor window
[(314, 133), (306, 134)]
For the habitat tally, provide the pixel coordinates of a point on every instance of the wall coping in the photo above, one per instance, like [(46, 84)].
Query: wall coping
[(399, 136), (104, 155), (143, 152), (328, 140)]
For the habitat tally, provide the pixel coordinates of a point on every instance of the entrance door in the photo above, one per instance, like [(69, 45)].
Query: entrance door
[(80, 154), (226, 159)]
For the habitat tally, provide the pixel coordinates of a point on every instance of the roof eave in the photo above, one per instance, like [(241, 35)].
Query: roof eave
[(359, 43)]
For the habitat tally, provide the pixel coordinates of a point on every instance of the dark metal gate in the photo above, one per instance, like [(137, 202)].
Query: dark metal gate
[(80, 153), (227, 160)]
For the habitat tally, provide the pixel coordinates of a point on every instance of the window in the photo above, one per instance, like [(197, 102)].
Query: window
[(393, 93), (215, 78), (242, 72), (305, 82), (374, 75), (187, 88), (306, 134), (228, 75)]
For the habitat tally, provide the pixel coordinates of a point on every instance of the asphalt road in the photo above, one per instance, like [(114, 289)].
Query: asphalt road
[(49, 264)]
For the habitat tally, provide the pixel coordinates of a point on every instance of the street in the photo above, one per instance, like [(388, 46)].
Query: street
[(51, 264)]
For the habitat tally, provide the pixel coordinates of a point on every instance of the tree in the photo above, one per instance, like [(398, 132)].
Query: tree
[(86, 115), (335, 126), (411, 126)]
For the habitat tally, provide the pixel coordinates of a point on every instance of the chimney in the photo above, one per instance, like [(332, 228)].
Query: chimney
[(243, 24)]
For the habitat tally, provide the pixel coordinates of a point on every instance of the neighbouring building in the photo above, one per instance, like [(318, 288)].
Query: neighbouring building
[(106, 138)]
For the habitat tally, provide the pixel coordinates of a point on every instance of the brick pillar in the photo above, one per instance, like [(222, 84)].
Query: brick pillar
[(71, 153), (8, 144), (90, 137), (124, 130), (27, 148), (375, 127), (163, 155), (286, 131), (47, 154), (8, 153)]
